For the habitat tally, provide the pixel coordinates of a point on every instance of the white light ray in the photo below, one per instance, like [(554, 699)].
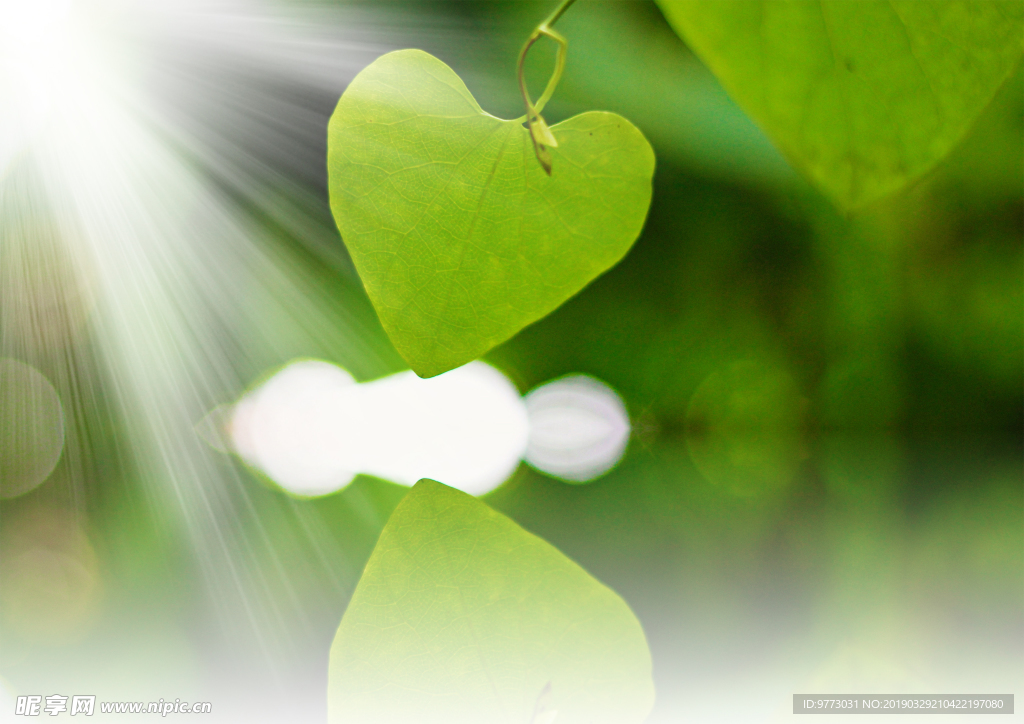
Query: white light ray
[(36, 39), (185, 280)]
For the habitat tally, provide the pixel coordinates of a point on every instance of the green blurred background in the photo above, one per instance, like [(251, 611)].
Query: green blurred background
[(823, 491)]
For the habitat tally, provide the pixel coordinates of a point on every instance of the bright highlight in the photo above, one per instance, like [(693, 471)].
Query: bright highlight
[(312, 428)]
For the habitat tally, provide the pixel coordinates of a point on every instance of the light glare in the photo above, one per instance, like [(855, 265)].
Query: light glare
[(311, 428), (37, 56)]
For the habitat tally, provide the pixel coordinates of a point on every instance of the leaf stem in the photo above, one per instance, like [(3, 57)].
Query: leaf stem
[(539, 131)]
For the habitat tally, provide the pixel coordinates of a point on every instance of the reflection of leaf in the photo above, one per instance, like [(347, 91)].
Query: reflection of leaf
[(863, 96), (459, 236), (462, 616)]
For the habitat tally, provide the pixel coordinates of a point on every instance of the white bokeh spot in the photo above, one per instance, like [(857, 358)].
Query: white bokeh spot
[(579, 428)]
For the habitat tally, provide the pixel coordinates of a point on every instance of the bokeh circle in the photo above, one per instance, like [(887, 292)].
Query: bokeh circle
[(31, 428)]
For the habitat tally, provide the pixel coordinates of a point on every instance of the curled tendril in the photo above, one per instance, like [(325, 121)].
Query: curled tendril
[(540, 133)]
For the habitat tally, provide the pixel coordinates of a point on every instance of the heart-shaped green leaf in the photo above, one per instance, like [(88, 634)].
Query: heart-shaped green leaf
[(463, 617), (460, 237), (864, 96)]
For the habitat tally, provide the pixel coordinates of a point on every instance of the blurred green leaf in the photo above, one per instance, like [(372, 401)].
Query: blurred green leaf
[(463, 616), (459, 236), (862, 96)]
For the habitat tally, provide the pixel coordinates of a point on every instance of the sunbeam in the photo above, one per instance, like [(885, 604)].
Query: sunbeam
[(178, 242)]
